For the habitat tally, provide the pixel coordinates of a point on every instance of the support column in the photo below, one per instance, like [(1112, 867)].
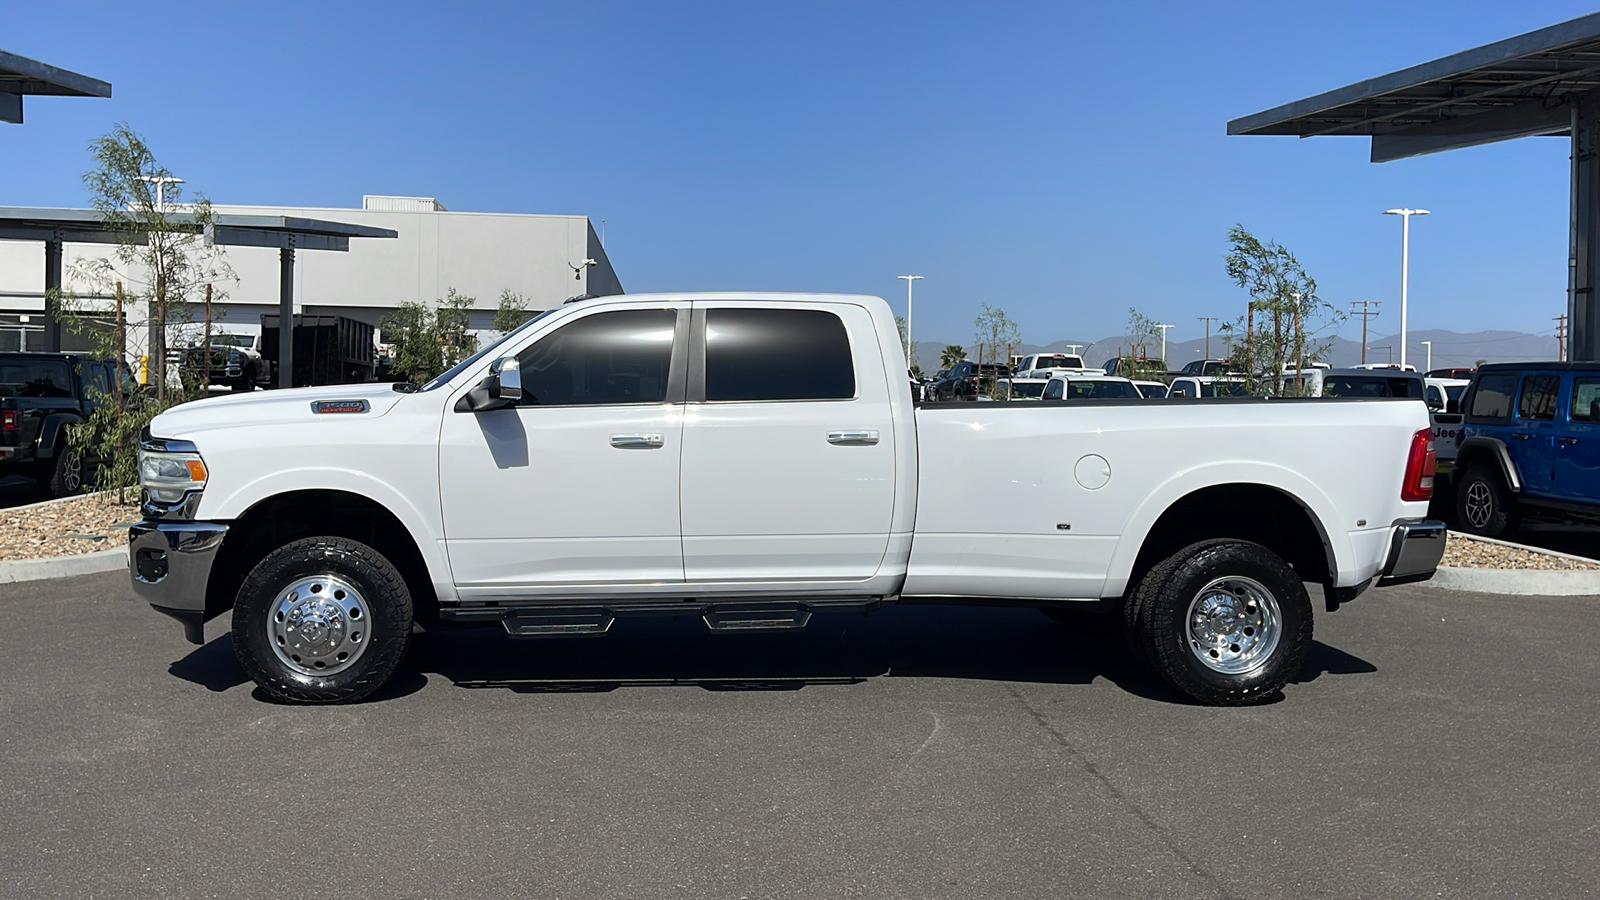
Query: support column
[(286, 316), (52, 302), (1583, 291)]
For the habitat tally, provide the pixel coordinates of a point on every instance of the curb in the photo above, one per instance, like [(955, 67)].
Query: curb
[(1517, 582), (15, 570), (1526, 548)]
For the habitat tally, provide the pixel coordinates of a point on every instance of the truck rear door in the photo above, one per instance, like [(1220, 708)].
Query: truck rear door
[(1533, 431), (788, 444), (1577, 475)]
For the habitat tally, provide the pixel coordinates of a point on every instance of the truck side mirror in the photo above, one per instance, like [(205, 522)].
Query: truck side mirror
[(1452, 406), (506, 379)]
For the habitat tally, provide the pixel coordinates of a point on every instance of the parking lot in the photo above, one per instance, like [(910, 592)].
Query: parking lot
[(1435, 744)]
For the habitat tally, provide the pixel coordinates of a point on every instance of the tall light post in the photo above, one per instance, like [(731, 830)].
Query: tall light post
[(161, 182), (1405, 215), (1429, 345), (910, 347), (1164, 344)]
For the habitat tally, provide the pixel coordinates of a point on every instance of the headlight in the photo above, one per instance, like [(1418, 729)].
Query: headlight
[(166, 477), (234, 356)]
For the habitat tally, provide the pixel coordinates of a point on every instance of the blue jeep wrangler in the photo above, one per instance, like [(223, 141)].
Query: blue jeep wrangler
[(1529, 444)]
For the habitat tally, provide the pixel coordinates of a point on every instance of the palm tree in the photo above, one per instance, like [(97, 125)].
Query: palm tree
[(950, 355)]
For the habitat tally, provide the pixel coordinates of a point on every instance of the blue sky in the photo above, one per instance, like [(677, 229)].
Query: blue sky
[(1062, 161)]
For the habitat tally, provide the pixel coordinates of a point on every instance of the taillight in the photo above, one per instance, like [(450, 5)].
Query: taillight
[(1419, 468), (8, 420)]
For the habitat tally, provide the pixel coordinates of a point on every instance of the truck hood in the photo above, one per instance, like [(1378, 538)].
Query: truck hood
[(270, 408)]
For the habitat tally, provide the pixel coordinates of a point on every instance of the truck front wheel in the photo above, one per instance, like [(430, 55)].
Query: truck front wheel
[(322, 620), (1225, 621), (1483, 505)]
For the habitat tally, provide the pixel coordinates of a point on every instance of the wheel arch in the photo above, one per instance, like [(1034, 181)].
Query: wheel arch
[(1479, 450), (276, 520), (1272, 515)]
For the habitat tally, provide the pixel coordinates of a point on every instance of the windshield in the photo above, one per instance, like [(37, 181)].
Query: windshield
[(1454, 391), (467, 363), (1371, 386), (232, 340), (1027, 389), (1152, 391)]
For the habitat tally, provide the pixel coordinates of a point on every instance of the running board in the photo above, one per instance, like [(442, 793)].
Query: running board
[(756, 618), (527, 624)]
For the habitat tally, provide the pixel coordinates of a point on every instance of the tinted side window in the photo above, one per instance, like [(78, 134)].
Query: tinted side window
[(1585, 399), (610, 357), (96, 382), (1491, 399), (1538, 398), (777, 354), (1052, 391)]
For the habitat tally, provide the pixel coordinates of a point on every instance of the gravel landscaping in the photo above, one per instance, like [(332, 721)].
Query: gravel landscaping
[(1466, 552), (66, 527)]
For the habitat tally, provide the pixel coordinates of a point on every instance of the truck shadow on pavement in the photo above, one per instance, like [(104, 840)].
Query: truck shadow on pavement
[(838, 649)]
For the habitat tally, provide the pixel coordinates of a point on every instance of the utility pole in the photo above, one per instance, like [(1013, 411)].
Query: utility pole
[(1208, 320), (1365, 314), (1561, 337)]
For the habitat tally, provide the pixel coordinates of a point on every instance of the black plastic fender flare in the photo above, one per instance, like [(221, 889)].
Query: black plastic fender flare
[(1496, 448)]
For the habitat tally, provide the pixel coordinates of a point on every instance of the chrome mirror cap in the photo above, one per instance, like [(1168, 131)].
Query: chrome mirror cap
[(508, 378)]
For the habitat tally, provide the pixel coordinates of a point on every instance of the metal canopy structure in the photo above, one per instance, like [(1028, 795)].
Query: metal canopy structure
[(1545, 82), (56, 227), (21, 76)]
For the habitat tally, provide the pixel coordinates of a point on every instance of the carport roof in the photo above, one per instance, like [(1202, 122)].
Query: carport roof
[(1508, 89), (284, 232), (21, 76)]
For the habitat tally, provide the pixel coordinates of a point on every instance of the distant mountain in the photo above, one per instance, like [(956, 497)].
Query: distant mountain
[(1450, 349)]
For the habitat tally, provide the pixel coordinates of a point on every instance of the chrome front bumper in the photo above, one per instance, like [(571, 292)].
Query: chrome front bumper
[(1415, 549), (170, 563)]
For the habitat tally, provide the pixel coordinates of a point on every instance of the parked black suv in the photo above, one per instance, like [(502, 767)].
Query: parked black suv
[(41, 394), (966, 380)]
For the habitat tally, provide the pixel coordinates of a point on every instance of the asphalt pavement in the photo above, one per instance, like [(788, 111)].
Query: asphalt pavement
[(1436, 744)]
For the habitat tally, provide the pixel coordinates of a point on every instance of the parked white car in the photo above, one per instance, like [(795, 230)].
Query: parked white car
[(1151, 390), (1043, 365), (754, 459), (1022, 388), (1194, 387), (1097, 386)]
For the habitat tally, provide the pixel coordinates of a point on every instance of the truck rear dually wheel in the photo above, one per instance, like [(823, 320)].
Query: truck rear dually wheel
[(1227, 622), (322, 620)]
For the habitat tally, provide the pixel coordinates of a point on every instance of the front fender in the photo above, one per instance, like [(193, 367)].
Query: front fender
[(51, 433), (1335, 541), (423, 526), (1496, 450)]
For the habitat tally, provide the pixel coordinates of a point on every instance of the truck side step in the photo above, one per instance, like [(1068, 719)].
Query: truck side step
[(528, 624), (756, 618)]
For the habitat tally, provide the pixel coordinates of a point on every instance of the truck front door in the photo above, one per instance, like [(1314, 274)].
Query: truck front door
[(788, 445), (577, 485)]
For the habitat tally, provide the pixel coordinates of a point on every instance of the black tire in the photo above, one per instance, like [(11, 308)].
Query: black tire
[(246, 382), (1236, 572), (1483, 504), (66, 473), (388, 607)]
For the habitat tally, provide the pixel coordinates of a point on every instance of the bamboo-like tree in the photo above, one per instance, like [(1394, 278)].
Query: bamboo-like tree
[(1285, 325), (157, 273), (427, 341), (511, 312)]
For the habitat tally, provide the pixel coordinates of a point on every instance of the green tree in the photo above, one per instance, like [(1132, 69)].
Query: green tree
[(995, 333), (1286, 325), (950, 355), (429, 340), (159, 268), (911, 360), (511, 312)]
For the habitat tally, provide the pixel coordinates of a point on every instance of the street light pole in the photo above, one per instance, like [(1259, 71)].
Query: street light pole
[(910, 347), (1405, 215), (161, 182), (1429, 345), (1164, 344)]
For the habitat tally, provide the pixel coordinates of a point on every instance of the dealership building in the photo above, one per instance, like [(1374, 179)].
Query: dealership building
[(544, 258)]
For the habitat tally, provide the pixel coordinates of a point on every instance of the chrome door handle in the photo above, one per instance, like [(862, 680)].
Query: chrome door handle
[(1566, 441), (638, 441), (852, 437)]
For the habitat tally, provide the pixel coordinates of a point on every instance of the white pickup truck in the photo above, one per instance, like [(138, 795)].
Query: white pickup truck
[(752, 459)]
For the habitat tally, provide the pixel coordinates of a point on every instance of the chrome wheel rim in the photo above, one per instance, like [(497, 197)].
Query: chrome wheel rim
[(1233, 625), (318, 625), (1480, 505)]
